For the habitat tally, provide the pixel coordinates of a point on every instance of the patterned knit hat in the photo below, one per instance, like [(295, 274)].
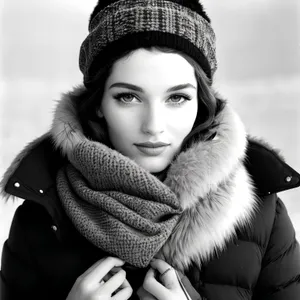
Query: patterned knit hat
[(117, 26)]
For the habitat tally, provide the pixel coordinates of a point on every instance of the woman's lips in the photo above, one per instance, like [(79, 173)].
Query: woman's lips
[(151, 151), (152, 144)]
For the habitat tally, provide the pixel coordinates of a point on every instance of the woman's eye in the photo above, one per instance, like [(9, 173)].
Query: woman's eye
[(125, 98), (179, 99)]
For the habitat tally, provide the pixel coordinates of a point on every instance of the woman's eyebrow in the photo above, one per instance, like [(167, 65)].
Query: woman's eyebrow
[(180, 87), (128, 86), (139, 89)]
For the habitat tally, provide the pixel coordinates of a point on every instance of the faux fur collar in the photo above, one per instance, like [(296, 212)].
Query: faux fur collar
[(215, 190), (209, 178)]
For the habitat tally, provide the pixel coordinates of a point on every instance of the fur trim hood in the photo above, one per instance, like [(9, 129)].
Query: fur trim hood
[(210, 179)]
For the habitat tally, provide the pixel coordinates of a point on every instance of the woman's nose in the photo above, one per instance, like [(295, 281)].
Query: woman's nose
[(153, 120)]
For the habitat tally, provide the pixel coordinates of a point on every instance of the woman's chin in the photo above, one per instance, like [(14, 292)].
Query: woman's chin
[(153, 165)]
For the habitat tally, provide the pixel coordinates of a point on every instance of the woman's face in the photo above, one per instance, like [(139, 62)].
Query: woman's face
[(150, 98)]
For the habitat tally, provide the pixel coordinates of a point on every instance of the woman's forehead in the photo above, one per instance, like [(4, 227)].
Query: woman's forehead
[(144, 67)]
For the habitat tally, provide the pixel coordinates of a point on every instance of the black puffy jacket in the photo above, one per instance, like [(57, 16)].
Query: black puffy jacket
[(44, 254)]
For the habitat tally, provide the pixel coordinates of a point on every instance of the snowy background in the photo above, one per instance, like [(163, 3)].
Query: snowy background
[(258, 46)]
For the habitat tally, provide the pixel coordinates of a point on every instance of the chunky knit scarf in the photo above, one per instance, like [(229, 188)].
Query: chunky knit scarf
[(115, 204)]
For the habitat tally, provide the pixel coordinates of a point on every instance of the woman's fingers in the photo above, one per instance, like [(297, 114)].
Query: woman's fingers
[(98, 271), (160, 265), (125, 284), (112, 272), (99, 281), (113, 283), (167, 275), (124, 293), (117, 285), (155, 288), (161, 282)]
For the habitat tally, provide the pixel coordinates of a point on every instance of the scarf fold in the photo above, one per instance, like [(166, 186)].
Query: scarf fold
[(115, 204)]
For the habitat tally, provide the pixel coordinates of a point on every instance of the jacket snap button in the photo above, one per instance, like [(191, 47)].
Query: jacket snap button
[(41, 191), (288, 178), (54, 228), (17, 184)]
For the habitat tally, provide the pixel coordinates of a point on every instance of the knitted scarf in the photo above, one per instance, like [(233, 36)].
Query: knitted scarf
[(115, 204)]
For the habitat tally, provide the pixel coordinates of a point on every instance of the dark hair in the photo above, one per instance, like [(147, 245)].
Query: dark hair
[(95, 127)]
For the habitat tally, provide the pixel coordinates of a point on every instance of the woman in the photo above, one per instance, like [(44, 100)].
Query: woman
[(147, 185)]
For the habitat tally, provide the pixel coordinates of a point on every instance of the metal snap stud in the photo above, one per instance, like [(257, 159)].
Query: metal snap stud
[(288, 178), (54, 228), (41, 191), (17, 184)]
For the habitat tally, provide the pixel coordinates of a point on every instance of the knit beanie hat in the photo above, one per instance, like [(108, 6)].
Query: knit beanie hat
[(118, 26)]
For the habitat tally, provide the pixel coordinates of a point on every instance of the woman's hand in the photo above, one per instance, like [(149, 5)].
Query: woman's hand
[(104, 280), (165, 287)]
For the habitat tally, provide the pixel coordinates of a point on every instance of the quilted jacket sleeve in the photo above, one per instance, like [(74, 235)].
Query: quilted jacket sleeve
[(19, 278), (280, 274)]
